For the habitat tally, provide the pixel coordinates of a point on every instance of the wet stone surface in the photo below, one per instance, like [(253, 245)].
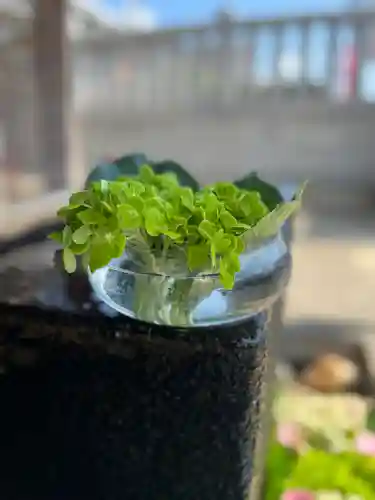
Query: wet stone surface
[(102, 407)]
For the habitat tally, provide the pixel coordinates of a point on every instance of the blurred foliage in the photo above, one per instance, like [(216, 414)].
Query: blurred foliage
[(280, 463), (347, 472), (328, 460)]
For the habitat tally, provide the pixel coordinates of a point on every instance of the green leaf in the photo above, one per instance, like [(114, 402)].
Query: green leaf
[(187, 198), (225, 190), (349, 473), (221, 242), (210, 205), (174, 236), (198, 256), (136, 202), (270, 225), (240, 245), (80, 249), (67, 236), (128, 217), (229, 266), (101, 254), (227, 220), (78, 199), (124, 166), (107, 207), (81, 235), (91, 216), (56, 236), (252, 206), (155, 221), (64, 211), (69, 260), (270, 195), (184, 178), (103, 186), (280, 463), (146, 174), (106, 247), (157, 203), (118, 245), (207, 229)]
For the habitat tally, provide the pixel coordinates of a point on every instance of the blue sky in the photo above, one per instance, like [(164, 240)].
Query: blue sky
[(170, 12)]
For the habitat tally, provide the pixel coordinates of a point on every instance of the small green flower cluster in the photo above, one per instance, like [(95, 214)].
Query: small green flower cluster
[(153, 213)]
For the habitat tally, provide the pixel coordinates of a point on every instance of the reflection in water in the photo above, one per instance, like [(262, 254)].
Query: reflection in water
[(196, 300)]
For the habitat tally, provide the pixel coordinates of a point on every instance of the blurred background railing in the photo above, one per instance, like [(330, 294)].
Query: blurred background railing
[(230, 89), (290, 96), (225, 64)]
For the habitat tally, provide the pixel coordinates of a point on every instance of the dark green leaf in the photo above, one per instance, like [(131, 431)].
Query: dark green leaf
[(106, 171), (184, 178), (271, 196), (125, 166), (129, 165)]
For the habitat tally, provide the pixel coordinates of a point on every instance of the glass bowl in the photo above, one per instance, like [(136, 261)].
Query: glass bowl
[(199, 300)]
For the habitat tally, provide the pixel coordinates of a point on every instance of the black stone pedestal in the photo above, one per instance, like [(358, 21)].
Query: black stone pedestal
[(97, 406), (154, 414)]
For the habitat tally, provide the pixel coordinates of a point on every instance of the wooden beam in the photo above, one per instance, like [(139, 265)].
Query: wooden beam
[(51, 86)]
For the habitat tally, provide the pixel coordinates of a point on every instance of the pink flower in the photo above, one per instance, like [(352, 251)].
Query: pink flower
[(298, 495), (290, 435), (365, 443)]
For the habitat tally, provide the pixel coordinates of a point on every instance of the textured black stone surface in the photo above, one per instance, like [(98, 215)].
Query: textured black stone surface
[(145, 417), (97, 406)]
